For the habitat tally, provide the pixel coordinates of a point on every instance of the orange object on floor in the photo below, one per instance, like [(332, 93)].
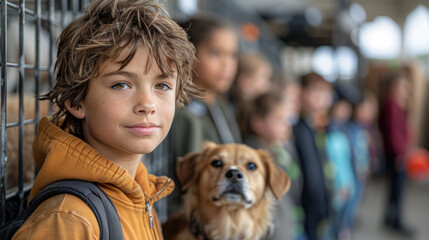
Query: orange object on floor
[(418, 164)]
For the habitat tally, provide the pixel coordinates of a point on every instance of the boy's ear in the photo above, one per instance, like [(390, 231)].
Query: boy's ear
[(78, 111)]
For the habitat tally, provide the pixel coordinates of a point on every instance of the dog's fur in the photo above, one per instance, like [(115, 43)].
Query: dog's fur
[(226, 198)]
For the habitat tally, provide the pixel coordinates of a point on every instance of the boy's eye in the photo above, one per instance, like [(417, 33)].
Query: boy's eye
[(162, 86), (121, 86)]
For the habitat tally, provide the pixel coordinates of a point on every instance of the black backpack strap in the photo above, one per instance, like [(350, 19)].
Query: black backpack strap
[(93, 196)]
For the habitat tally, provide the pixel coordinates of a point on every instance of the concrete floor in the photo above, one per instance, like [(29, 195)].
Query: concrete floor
[(369, 224)]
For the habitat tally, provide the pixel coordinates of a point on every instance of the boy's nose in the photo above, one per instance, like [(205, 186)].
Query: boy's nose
[(146, 105), (147, 109)]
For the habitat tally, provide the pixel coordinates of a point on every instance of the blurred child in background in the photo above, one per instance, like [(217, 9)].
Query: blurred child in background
[(267, 122), (269, 129), (397, 145), (252, 80), (292, 94), (366, 148), (340, 154), (216, 46), (365, 115), (210, 118), (316, 98)]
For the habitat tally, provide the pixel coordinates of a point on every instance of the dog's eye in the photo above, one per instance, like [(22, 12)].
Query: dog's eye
[(217, 163), (251, 166)]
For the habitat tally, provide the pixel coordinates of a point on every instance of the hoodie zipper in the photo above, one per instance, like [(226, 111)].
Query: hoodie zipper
[(149, 208)]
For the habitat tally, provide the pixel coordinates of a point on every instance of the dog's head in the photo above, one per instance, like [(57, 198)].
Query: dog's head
[(231, 174)]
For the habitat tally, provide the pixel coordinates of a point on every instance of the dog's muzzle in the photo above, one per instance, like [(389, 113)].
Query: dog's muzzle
[(234, 190), (234, 185), (234, 175)]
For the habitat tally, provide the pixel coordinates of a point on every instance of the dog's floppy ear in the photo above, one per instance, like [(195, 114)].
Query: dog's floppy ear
[(209, 145), (278, 180), (186, 166), (185, 169)]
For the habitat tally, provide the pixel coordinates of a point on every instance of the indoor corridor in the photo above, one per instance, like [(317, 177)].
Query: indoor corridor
[(369, 225)]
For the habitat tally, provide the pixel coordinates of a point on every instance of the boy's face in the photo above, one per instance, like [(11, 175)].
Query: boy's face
[(127, 112), (317, 98), (342, 110), (257, 83), (366, 112), (217, 61), (273, 127)]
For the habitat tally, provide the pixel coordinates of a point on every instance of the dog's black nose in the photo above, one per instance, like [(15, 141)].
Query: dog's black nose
[(234, 175)]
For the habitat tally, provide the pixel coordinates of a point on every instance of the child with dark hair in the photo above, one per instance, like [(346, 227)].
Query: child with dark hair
[(270, 129), (365, 115), (341, 155), (216, 47), (309, 134), (361, 133), (121, 70), (267, 122), (210, 118)]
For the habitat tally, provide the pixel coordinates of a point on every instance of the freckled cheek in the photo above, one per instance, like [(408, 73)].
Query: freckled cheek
[(166, 109)]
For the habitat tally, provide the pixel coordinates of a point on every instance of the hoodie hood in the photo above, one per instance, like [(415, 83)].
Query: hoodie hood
[(61, 156)]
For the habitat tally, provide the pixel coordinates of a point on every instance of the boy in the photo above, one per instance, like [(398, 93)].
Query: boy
[(121, 69)]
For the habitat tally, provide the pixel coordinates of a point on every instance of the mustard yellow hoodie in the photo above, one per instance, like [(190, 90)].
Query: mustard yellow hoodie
[(59, 156)]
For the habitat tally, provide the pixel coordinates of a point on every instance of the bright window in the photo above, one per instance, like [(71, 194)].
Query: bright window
[(416, 32), (380, 39)]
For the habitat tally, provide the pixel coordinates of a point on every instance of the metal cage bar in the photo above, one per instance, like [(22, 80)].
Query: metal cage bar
[(3, 157), (37, 66), (19, 8), (51, 47), (21, 106)]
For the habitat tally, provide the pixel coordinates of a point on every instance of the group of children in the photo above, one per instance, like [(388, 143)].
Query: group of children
[(306, 126), (124, 67)]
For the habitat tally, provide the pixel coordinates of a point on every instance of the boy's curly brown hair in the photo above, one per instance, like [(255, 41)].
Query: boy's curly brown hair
[(107, 28)]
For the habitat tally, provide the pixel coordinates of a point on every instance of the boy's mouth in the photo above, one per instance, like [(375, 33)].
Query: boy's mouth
[(145, 124), (144, 128)]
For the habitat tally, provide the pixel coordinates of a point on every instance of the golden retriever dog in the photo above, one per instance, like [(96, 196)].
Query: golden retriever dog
[(230, 194)]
